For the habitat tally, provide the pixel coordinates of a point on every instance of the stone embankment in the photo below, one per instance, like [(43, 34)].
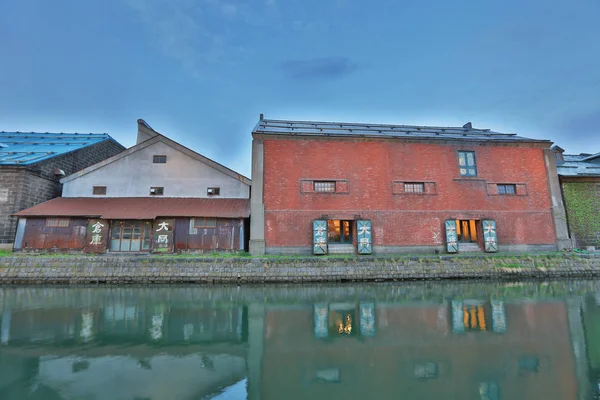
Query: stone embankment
[(109, 269)]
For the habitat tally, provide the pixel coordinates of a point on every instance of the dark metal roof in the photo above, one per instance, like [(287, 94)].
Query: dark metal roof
[(340, 129), (579, 165), (21, 148), (139, 207)]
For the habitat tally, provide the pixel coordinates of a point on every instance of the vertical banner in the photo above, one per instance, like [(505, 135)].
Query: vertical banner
[(97, 236), (451, 237), (490, 236), (367, 319), (458, 317), (365, 237), (321, 315), (319, 236), (498, 316), (163, 235)]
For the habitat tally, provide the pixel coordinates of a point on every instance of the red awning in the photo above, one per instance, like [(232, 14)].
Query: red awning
[(139, 207)]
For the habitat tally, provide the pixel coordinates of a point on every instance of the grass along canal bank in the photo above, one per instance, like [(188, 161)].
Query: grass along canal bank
[(22, 268)]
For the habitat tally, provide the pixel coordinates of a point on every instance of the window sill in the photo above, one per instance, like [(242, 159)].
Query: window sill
[(414, 194), (466, 178)]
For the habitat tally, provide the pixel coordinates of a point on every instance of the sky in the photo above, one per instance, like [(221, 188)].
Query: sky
[(201, 71)]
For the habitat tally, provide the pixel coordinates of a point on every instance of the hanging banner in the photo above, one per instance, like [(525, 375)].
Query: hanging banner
[(451, 237), (319, 236), (490, 236), (365, 237)]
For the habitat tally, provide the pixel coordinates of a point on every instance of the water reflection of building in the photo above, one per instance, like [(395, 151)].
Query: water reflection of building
[(467, 349)]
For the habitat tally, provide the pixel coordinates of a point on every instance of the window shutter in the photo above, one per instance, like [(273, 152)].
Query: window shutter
[(365, 238), (319, 236), (489, 236), (451, 238), (321, 313), (367, 319)]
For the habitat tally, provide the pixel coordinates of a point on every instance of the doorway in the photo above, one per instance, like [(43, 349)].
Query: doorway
[(130, 236), (466, 231), (339, 231)]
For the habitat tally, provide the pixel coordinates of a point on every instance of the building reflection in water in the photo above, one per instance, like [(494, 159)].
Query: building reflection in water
[(467, 348)]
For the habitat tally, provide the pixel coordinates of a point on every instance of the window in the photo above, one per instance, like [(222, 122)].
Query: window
[(414, 188), (57, 222), (159, 159), (213, 191), (466, 163), (99, 190), (324, 186), (507, 189), (339, 231), (203, 222), (425, 370), (329, 375), (157, 190)]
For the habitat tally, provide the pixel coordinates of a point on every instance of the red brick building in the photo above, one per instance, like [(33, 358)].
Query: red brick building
[(341, 187)]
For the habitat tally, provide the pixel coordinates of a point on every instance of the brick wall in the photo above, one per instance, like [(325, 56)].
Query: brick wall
[(369, 170), (27, 186)]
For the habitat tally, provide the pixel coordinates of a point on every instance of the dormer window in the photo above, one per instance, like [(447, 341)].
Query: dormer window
[(213, 191)]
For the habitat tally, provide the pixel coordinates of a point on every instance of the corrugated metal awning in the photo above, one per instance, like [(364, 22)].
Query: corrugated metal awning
[(139, 208)]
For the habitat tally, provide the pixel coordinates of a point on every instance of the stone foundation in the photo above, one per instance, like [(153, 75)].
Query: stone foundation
[(153, 269)]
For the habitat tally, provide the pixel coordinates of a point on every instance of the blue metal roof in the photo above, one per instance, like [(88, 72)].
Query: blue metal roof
[(20, 148), (579, 165), (339, 129)]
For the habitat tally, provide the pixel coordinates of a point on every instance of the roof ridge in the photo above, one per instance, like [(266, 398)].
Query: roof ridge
[(366, 124)]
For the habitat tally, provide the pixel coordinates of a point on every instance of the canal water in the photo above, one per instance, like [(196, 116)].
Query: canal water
[(419, 340)]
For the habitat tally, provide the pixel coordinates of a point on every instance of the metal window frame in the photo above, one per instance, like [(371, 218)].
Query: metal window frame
[(412, 185), (467, 166), (332, 183), (504, 186), (204, 226), (158, 159), (99, 194), (131, 224)]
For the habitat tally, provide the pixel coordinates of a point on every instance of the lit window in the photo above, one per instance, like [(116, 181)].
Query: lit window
[(414, 188), (99, 190), (202, 222), (57, 222), (159, 159), (213, 191), (466, 163), (324, 186), (157, 191), (507, 189)]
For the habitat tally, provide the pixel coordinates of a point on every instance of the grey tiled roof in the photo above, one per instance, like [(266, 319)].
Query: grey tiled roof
[(337, 129), (579, 165)]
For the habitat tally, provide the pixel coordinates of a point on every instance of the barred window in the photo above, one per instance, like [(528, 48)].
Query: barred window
[(159, 159), (324, 186), (507, 189), (202, 222), (57, 222), (99, 190), (414, 187)]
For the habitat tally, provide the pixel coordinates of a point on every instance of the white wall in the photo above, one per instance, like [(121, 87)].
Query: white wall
[(133, 175)]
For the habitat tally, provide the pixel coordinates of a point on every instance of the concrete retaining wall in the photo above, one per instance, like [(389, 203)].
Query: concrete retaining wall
[(152, 269)]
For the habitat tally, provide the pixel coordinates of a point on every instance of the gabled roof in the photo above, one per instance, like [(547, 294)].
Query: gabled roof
[(139, 207), (579, 165), (21, 148), (344, 129), (158, 137)]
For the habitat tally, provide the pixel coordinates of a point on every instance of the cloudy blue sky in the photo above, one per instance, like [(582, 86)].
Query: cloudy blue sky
[(201, 71)]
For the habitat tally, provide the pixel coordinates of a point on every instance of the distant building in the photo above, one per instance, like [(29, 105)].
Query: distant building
[(328, 187), (157, 196), (31, 165), (580, 181)]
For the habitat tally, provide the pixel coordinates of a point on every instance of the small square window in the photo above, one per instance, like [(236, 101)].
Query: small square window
[(99, 190), (466, 163), (414, 188), (159, 159), (201, 222), (157, 191), (507, 189), (324, 186), (213, 191), (57, 222)]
